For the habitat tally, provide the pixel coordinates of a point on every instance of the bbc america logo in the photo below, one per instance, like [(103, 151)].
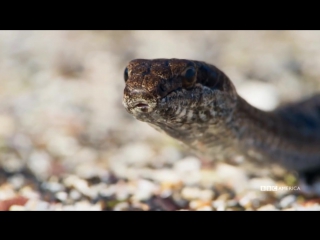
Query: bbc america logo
[(279, 188)]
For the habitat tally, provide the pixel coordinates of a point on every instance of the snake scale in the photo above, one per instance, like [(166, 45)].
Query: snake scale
[(197, 104)]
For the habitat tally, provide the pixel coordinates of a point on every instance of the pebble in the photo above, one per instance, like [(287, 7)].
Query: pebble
[(17, 208), (204, 208), (144, 190), (29, 193), (123, 206), (189, 164), (62, 196), (53, 186), (257, 183), (11, 163), (190, 193), (61, 145), (7, 125), (250, 199), (75, 195), (136, 153), (17, 181), (219, 205), (196, 204), (40, 163), (287, 201), (6, 192), (36, 205), (86, 206), (268, 207)]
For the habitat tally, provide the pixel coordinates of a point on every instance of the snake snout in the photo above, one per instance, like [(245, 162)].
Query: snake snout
[(139, 101)]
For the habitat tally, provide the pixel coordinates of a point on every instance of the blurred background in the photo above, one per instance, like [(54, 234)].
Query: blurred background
[(67, 143)]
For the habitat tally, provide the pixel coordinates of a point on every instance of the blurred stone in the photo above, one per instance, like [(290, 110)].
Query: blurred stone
[(190, 193), (62, 145), (53, 186), (62, 196), (137, 154), (198, 204), (287, 201), (188, 164), (7, 125), (17, 208), (75, 195), (36, 205), (268, 207), (40, 163), (219, 205), (144, 190), (11, 163), (17, 180), (29, 193), (123, 206), (257, 183)]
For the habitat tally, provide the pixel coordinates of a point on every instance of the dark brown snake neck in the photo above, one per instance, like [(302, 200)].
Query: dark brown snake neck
[(197, 104)]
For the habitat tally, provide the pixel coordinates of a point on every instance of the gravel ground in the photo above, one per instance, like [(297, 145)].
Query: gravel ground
[(66, 142)]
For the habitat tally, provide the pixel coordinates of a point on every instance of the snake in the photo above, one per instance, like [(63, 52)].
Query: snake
[(197, 104)]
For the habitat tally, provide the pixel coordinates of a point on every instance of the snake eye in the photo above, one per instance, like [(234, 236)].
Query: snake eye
[(126, 75), (189, 77)]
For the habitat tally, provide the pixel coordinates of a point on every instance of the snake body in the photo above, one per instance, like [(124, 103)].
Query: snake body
[(197, 104)]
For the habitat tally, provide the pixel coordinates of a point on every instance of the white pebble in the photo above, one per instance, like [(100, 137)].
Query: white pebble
[(17, 208), (190, 193), (62, 196), (188, 164), (121, 206), (219, 205), (268, 207), (75, 195), (144, 190), (287, 201), (16, 180)]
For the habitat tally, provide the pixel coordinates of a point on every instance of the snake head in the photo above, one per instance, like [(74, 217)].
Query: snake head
[(176, 90)]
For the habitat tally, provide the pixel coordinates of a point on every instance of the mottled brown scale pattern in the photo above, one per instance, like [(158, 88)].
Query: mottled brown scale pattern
[(197, 104)]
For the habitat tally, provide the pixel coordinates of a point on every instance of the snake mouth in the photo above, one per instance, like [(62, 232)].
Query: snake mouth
[(142, 107)]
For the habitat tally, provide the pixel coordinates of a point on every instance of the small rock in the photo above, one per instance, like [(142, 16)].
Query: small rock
[(145, 189), (190, 193), (6, 125), (268, 207), (17, 180), (53, 186), (17, 208), (188, 164), (259, 183), (196, 204), (29, 193), (219, 205), (205, 208), (75, 195), (62, 196), (36, 205), (122, 206), (287, 201), (40, 163)]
